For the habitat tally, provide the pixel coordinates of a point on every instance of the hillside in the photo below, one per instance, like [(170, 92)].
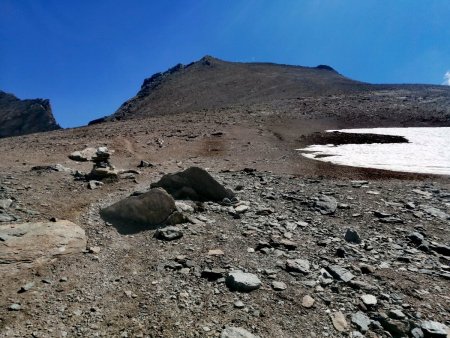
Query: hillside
[(211, 84), (20, 117)]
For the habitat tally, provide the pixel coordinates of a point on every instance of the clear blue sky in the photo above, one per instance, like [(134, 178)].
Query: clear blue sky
[(89, 56)]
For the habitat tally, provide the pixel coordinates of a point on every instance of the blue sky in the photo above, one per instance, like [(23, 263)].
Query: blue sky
[(88, 57)]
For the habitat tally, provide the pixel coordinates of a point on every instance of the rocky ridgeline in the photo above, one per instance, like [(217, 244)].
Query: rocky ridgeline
[(325, 258)]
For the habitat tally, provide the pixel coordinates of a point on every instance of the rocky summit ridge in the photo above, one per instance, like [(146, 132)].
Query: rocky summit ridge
[(20, 117)]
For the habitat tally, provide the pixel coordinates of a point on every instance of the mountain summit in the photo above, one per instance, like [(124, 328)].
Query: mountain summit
[(19, 117), (211, 83)]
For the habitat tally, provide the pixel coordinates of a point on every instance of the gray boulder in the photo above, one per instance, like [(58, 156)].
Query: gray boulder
[(195, 184), (137, 213)]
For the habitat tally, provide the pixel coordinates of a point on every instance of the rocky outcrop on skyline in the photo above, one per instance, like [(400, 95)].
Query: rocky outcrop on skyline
[(20, 117)]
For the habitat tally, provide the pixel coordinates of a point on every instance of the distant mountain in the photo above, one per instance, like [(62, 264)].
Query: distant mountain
[(316, 92), (19, 117), (212, 83)]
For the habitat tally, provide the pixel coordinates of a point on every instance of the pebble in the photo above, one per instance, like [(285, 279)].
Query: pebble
[(369, 300), (339, 322), (279, 286), (307, 301), (14, 307)]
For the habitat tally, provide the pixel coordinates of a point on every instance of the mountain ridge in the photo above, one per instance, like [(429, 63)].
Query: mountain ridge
[(211, 84)]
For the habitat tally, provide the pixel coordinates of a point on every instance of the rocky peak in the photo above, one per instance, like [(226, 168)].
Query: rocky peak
[(19, 117)]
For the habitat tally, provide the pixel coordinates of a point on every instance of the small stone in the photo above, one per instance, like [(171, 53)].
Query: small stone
[(215, 252), (396, 314), (369, 300), (339, 322), (93, 184), (340, 273), (352, 236), (239, 304), (26, 287), (14, 307), (307, 301), (279, 286), (236, 332), (298, 265), (169, 233), (94, 249), (434, 329), (361, 321), (326, 205), (242, 281), (144, 164), (240, 209)]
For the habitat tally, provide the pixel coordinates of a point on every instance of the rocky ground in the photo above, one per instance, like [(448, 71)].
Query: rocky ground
[(309, 249)]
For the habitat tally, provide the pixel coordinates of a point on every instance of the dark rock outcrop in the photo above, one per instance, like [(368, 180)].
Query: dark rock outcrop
[(195, 184), (20, 117)]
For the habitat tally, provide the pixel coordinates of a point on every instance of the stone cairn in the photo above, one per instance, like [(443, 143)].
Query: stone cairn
[(103, 169)]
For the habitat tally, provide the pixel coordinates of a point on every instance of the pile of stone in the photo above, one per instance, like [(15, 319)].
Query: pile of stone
[(103, 169)]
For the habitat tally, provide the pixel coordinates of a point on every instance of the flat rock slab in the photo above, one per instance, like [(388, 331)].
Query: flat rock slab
[(37, 242), (137, 213), (340, 273)]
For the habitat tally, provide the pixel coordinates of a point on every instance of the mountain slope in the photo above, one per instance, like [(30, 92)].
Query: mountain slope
[(212, 83), (20, 117), (318, 92)]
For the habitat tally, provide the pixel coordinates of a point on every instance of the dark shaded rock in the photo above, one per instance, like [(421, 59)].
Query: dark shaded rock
[(137, 213), (416, 238), (212, 274), (440, 248), (352, 236), (195, 184), (20, 117)]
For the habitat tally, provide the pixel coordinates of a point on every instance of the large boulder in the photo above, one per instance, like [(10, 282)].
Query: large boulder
[(195, 184), (27, 243), (136, 213)]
